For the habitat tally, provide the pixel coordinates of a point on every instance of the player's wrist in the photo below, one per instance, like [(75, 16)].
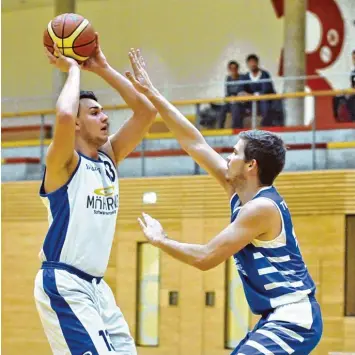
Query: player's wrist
[(74, 66), (152, 93), (103, 69)]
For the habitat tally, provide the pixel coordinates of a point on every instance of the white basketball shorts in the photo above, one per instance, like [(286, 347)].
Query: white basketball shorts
[(79, 313)]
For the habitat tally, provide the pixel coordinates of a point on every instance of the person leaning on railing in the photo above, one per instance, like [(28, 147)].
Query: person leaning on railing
[(344, 105), (260, 83), (232, 88)]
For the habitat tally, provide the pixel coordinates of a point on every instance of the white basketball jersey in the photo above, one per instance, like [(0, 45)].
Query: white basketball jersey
[(82, 216)]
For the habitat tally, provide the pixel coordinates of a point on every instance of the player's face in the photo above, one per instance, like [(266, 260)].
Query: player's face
[(92, 122), (236, 164)]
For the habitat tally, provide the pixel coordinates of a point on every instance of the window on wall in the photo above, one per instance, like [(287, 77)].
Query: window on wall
[(237, 309), (148, 295), (350, 266)]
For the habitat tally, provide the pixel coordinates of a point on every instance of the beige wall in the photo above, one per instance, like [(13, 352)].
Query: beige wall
[(184, 42)]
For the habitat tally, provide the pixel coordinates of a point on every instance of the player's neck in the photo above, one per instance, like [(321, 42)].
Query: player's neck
[(86, 149), (247, 191)]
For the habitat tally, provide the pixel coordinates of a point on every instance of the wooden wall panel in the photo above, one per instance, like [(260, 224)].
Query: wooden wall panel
[(191, 209)]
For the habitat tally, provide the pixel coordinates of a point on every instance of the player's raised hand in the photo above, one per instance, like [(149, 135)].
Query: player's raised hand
[(59, 60), (152, 229), (97, 61), (140, 78)]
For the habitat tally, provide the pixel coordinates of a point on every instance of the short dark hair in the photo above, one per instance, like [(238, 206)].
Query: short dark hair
[(353, 52), (233, 62), (268, 149), (87, 95), (252, 57)]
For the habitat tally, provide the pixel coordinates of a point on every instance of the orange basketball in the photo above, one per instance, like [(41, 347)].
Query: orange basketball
[(73, 34)]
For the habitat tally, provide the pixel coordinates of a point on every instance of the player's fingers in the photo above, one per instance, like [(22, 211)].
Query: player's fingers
[(132, 59), (141, 224), (140, 58), (97, 41), (49, 55), (57, 52), (136, 59), (131, 78)]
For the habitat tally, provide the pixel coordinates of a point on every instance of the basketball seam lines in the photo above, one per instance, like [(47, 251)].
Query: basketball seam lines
[(81, 45), (49, 35), (77, 28), (80, 34), (63, 33)]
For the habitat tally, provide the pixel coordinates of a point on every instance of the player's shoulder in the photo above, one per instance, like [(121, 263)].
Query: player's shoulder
[(108, 151), (260, 208)]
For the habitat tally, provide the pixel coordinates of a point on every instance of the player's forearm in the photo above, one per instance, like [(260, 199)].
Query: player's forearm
[(192, 254), (136, 101), (185, 132), (68, 101)]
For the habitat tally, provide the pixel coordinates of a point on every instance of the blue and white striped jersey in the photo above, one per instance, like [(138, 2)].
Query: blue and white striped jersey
[(273, 272), (82, 216)]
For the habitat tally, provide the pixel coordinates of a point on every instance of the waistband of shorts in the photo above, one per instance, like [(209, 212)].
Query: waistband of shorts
[(73, 270)]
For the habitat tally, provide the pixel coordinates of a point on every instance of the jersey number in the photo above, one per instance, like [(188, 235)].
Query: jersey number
[(105, 336), (109, 171)]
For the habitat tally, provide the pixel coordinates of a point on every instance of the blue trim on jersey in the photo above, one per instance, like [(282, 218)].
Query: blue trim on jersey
[(73, 270), (75, 335), (91, 159), (60, 210), (106, 155), (42, 191)]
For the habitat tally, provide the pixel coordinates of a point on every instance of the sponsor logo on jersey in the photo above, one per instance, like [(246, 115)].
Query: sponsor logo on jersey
[(103, 201), (105, 191), (239, 266), (93, 168)]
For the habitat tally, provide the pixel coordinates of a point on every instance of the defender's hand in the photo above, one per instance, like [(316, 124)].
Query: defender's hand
[(140, 79), (97, 61), (152, 229), (59, 60)]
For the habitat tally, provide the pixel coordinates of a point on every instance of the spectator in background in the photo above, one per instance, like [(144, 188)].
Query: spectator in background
[(351, 99), (257, 87), (232, 88), (344, 105)]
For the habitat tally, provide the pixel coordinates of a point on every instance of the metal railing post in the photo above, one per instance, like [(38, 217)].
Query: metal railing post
[(253, 114), (143, 157), (197, 124), (314, 163), (41, 135)]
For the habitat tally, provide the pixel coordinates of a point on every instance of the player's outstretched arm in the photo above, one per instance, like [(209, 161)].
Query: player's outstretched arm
[(61, 151), (257, 219), (136, 127), (189, 137)]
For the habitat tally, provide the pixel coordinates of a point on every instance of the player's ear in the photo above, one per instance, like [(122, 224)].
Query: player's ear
[(252, 164), (77, 124)]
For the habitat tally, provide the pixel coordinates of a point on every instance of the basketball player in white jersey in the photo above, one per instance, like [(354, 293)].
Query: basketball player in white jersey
[(260, 237), (80, 190)]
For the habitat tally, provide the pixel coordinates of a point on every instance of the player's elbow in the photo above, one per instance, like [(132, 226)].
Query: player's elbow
[(64, 116), (203, 262), (203, 266)]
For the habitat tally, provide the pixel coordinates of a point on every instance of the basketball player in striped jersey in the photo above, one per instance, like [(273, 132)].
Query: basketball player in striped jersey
[(80, 190), (260, 236)]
